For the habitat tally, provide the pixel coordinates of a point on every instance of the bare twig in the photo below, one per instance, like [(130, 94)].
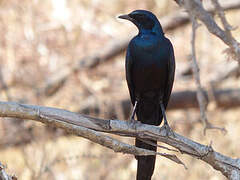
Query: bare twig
[(157, 145), (202, 100), (220, 12), (200, 95), (195, 9), (88, 127), (228, 28), (4, 175)]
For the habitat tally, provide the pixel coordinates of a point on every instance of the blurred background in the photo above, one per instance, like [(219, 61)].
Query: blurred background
[(70, 55)]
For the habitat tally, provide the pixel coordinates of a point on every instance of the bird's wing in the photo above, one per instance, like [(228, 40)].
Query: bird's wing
[(128, 68), (171, 72)]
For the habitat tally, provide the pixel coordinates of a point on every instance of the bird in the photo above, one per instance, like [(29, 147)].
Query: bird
[(150, 69)]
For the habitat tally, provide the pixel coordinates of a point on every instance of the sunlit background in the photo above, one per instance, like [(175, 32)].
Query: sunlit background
[(41, 41)]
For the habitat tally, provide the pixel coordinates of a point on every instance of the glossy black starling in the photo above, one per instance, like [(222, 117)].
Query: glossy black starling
[(150, 68)]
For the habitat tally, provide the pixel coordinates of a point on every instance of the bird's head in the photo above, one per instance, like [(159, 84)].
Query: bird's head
[(144, 20)]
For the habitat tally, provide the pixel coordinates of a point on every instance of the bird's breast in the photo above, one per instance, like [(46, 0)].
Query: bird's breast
[(150, 63), (149, 74), (146, 43)]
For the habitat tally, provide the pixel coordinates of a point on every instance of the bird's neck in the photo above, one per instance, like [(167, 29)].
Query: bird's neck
[(156, 30), (147, 32)]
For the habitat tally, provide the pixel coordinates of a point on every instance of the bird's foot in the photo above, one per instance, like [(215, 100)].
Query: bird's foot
[(131, 120), (169, 131)]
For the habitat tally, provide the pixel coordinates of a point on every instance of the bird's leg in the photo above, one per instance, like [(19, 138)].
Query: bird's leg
[(166, 125), (164, 114), (133, 111)]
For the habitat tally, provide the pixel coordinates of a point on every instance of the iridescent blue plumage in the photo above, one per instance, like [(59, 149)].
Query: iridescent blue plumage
[(150, 67)]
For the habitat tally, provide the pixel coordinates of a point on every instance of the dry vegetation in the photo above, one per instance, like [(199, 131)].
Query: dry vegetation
[(40, 39)]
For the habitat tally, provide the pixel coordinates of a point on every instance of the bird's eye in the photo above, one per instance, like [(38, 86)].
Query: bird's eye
[(137, 16)]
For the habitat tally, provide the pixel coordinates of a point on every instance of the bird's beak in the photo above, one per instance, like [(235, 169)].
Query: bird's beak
[(125, 16)]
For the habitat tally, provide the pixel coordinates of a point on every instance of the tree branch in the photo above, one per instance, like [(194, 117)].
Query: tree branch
[(88, 126), (202, 100), (4, 175), (195, 68), (196, 9)]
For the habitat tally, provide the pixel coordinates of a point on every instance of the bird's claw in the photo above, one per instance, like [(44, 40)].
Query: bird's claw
[(169, 131), (131, 120)]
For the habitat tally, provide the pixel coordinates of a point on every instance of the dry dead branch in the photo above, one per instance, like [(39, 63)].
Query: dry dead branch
[(196, 9), (195, 68), (4, 175), (200, 92), (92, 128), (222, 98)]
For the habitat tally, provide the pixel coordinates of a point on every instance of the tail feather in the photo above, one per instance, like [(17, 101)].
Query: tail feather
[(146, 164), (148, 112)]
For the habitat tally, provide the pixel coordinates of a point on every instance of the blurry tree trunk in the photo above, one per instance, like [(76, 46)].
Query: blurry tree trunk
[(223, 98)]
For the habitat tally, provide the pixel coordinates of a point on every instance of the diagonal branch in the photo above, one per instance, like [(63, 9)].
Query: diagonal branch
[(234, 50), (220, 12), (83, 126), (196, 9), (4, 175)]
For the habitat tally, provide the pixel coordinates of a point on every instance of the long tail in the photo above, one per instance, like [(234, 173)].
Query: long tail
[(148, 112), (146, 164)]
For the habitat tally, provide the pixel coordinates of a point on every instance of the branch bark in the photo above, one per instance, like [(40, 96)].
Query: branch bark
[(4, 175), (195, 68), (89, 128), (196, 9), (223, 99), (200, 92)]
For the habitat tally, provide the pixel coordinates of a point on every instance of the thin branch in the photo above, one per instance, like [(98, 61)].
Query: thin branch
[(4, 175), (220, 12), (228, 28), (195, 68), (196, 9), (202, 101), (88, 126), (157, 145)]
